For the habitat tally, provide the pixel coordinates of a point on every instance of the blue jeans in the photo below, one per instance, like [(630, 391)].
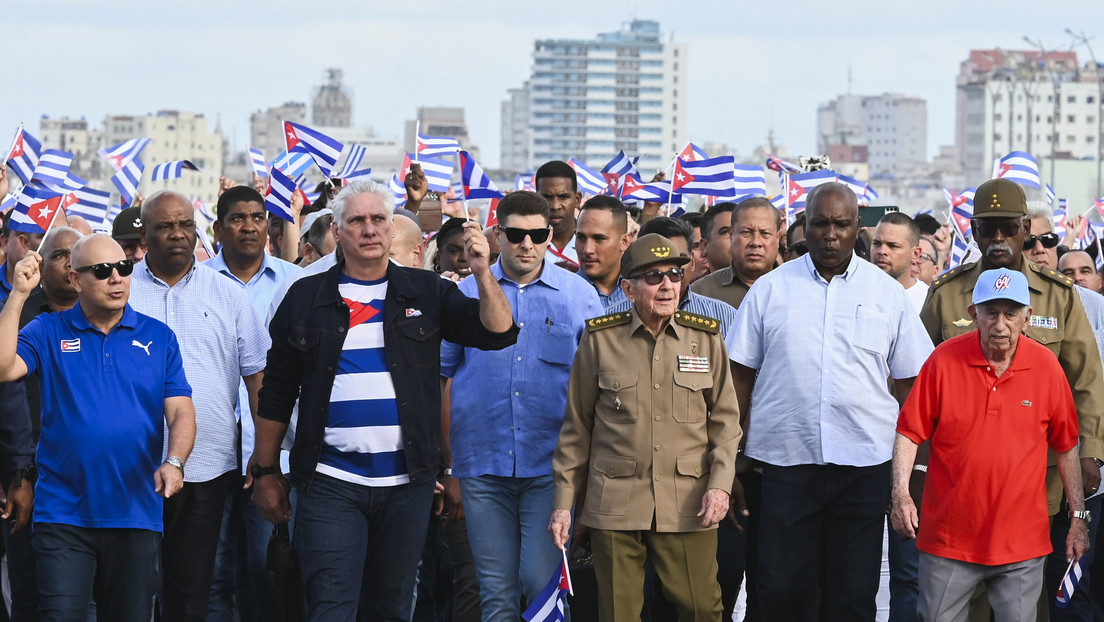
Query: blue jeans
[(360, 545), (507, 521), (1080, 606), (115, 566)]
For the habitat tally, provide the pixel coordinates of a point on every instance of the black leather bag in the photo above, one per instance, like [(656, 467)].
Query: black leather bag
[(283, 598)]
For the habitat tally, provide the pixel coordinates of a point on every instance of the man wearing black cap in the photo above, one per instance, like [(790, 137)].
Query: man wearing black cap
[(652, 426), (124, 229)]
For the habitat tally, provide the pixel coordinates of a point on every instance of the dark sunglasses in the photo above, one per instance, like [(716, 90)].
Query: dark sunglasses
[(987, 229), (517, 236), (798, 249), (103, 270), (655, 277), (1048, 240)]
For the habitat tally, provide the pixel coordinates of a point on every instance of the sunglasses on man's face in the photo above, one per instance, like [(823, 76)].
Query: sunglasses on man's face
[(1048, 240), (103, 270), (655, 277), (987, 229), (517, 236)]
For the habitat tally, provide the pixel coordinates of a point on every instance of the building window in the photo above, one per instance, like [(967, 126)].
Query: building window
[(1071, 99), (1070, 138), (1071, 119)]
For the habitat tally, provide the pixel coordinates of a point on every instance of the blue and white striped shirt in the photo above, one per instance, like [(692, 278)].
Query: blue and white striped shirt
[(363, 440)]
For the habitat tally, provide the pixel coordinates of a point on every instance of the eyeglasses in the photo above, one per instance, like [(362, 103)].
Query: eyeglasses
[(103, 270), (1048, 240), (517, 236), (987, 229), (798, 249), (928, 257), (655, 277)]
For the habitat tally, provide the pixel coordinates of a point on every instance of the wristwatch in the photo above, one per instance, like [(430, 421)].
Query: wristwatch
[(176, 462), (258, 471), (28, 473), (1084, 515)]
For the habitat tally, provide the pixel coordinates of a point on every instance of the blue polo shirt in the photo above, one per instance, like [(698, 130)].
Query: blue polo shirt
[(103, 405)]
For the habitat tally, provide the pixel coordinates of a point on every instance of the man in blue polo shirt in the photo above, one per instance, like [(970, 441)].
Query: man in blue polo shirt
[(110, 379)]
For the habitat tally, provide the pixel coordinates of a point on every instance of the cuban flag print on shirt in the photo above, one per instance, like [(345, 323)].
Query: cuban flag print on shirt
[(363, 441)]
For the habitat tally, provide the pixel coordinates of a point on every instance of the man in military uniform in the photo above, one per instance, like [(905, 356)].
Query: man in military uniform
[(1000, 228), (652, 428)]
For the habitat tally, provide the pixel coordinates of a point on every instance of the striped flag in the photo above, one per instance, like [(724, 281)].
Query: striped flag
[(616, 169), (257, 162), (127, 180), (204, 210), (352, 161), (692, 153), (355, 175), (801, 183), (398, 189), (52, 171), (1068, 585), (476, 184), (437, 145), (23, 155), (7, 203), (1049, 195), (35, 209), (856, 186), (548, 606), (1099, 205), (89, 203), (294, 163), (124, 152), (324, 149), (711, 177), (780, 165), (750, 180), (1020, 167), (656, 192), (438, 172), (172, 170), (526, 181), (280, 190), (869, 194), (590, 180)]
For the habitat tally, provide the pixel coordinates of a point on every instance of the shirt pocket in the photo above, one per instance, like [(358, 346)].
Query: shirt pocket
[(303, 339), (611, 484), (689, 404), (690, 483), (871, 331), (617, 396), (557, 344), (420, 340)]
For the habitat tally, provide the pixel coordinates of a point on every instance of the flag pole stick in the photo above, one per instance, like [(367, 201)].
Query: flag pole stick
[(417, 132), (567, 572), (51, 224)]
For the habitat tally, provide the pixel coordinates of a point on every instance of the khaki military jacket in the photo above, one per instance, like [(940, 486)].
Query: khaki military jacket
[(650, 424), (723, 285)]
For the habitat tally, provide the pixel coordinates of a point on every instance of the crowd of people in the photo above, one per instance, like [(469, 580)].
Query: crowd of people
[(688, 407)]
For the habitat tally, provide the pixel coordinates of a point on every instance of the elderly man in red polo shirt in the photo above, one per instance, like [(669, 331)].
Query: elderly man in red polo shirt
[(990, 403)]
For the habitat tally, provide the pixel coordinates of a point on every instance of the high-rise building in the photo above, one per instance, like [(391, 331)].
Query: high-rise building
[(266, 127), (888, 132), (517, 138), (589, 98), (1042, 103), (174, 135), (332, 104), (79, 139)]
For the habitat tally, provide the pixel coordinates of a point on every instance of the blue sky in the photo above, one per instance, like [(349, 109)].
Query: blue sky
[(753, 66)]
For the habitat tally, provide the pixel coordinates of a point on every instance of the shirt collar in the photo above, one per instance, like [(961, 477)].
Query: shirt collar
[(672, 328), (183, 281), (976, 358), (852, 267), (550, 275), (218, 262), (80, 322)]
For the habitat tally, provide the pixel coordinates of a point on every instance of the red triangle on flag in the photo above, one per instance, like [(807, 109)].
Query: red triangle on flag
[(1004, 168), (492, 213), (682, 177), (290, 137), (630, 186), (17, 147), (42, 213), (796, 191)]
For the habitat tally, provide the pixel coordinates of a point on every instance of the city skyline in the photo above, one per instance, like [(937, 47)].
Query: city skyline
[(752, 69)]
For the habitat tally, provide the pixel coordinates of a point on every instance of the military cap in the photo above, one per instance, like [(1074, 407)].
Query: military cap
[(1000, 198), (649, 250), (126, 223)]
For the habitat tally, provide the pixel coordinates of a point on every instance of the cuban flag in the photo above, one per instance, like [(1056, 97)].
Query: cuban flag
[(280, 190), (801, 183), (437, 145), (364, 173), (172, 170), (293, 164), (23, 155), (352, 161), (1068, 585), (780, 165), (856, 186), (750, 179), (526, 181), (1099, 205), (257, 162), (398, 189), (52, 171), (89, 203), (616, 169), (438, 173), (35, 209), (869, 193), (204, 211), (124, 152), (656, 192), (778, 201), (322, 148), (1020, 167), (492, 214), (692, 153), (1060, 222), (711, 177), (476, 184), (590, 181), (1049, 194), (127, 180), (549, 604), (960, 249), (7, 202)]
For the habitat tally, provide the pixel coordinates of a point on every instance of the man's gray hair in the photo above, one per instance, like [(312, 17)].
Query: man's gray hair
[(338, 203), (1039, 209)]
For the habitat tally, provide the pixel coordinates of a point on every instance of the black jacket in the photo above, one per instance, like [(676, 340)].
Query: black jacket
[(308, 331)]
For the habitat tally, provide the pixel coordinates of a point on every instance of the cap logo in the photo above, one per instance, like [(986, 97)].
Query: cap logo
[(661, 251), (137, 223), (1002, 283), (995, 203)]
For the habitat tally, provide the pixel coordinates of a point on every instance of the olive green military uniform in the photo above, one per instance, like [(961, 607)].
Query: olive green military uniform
[(651, 424), (723, 285)]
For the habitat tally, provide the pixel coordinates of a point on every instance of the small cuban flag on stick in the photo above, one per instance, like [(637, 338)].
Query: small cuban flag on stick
[(1068, 584), (549, 604)]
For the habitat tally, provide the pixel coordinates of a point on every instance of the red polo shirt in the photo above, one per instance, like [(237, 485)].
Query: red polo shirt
[(985, 494)]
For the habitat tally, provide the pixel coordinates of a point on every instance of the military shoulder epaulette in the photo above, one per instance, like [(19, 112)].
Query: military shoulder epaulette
[(700, 322), (605, 321), (951, 274), (1053, 275)]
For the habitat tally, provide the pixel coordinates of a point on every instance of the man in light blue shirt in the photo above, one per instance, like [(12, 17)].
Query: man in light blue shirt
[(815, 343), (507, 408), (242, 232)]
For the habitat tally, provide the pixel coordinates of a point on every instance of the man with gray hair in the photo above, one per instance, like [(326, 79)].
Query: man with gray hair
[(359, 346)]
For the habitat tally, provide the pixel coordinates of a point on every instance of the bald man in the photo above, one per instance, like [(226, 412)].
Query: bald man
[(1079, 266), (408, 247), (75, 221), (98, 506)]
